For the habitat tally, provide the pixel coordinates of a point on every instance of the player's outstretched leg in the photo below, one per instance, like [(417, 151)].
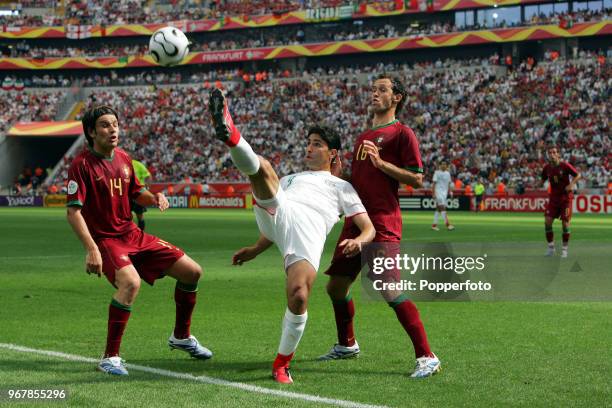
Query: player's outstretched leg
[(300, 277), (242, 154), (264, 180), (187, 274)]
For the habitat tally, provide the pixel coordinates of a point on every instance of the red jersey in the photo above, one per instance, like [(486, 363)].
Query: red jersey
[(103, 187), (398, 145), (559, 179)]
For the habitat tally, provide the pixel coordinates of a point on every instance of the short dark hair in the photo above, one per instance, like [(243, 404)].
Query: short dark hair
[(398, 89), (92, 115), (331, 137)]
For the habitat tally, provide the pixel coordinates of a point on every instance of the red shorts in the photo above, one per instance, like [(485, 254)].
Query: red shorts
[(351, 267), (150, 255), (559, 209)]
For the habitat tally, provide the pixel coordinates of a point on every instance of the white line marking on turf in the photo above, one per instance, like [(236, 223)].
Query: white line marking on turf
[(202, 379)]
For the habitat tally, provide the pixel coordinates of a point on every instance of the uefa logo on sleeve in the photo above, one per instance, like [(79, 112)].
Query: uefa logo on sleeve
[(72, 187)]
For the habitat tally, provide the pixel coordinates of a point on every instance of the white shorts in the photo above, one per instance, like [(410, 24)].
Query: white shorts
[(296, 230), (441, 199)]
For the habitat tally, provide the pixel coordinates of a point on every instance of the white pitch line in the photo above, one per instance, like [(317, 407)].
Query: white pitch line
[(202, 379)]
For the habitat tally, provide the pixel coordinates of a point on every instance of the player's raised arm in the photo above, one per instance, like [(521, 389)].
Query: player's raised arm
[(248, 253), (93, 260), (404, 176), (352, 247)]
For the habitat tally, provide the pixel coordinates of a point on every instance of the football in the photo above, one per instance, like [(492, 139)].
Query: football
[(168, 46)]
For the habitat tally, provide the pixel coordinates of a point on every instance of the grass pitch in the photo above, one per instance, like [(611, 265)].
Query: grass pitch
[(493, 353)]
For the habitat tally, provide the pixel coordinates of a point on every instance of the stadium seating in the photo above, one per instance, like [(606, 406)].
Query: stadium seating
[(285, 36), (488, 122), (19, 106), (108, 12)]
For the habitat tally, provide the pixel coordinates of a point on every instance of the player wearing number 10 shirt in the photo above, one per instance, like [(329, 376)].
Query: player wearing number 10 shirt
[(101, 183), (384, 155)]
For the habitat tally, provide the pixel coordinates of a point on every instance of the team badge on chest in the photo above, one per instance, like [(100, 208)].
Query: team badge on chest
[(126, 173)]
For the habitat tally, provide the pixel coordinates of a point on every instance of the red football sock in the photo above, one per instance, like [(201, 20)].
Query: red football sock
[(344, 310), (185, 303), (234, 132), (282, 360), (408, 315), (549, 236), (566, 237), (118, 316)]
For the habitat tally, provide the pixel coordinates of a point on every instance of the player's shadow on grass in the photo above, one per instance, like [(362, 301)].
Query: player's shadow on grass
[(216, 367), (313, 365)]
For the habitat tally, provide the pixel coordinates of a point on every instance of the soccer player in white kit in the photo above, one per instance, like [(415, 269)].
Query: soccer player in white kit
[(296, 213), (442, 185)]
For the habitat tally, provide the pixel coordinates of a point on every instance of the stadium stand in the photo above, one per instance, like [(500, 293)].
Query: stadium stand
[(106, 12), (284, 36), (488, 122), (489, 114), (18, 106)]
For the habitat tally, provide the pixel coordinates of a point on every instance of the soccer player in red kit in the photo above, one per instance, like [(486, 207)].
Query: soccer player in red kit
[(383, 156), (101, 183), (559, 205)]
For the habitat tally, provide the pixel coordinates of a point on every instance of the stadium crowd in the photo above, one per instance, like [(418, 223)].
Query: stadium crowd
[(148, 77), (18, 106), (290, 35), (107, 12), (488, 126)]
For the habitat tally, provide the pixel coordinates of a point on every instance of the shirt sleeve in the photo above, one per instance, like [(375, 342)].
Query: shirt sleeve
[(570, 169), (135, 186), (545, 173), (435, 177), (410, 155), (77, 184), (350, 203)]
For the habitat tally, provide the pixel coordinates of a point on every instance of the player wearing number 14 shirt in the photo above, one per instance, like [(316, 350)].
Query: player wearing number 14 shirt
[(101, 183)]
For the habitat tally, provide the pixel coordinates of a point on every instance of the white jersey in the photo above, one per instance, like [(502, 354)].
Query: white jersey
[(303, 211), (442, 180), (324, 194)]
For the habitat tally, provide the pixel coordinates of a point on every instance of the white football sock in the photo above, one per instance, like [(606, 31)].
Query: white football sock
[(435, 222), (244, 157), (293, 328), (444, 217)]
